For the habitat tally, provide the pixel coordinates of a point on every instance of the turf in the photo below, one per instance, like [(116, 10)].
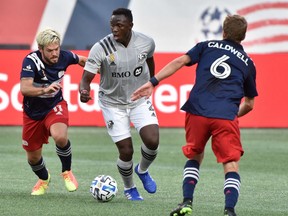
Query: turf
[(263, 170)]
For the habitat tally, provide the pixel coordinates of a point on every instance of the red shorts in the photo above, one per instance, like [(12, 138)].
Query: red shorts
[(225, 134), (36, 133)]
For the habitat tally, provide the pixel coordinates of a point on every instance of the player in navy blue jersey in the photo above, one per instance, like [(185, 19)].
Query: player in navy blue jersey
[(45, 112), (224, 76)]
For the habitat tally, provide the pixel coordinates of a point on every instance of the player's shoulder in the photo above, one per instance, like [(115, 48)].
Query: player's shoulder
[(33, 57), (108, 39), (68, 54), (140, 39), (142, 36), (32, 62), (33, 54), (104, 43)]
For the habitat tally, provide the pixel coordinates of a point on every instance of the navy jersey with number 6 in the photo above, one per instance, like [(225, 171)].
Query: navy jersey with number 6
[(224, 75), (43, 75)]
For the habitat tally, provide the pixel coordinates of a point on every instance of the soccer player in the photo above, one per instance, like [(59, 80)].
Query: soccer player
[(45, 111), (225, 74), (125, 61)]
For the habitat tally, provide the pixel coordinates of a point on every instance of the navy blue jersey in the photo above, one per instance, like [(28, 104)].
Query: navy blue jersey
[(224, 75), (43, 75)]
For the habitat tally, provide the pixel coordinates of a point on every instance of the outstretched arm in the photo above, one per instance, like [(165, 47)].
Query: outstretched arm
[(171, 68)]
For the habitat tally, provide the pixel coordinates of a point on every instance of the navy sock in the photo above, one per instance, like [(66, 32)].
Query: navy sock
[(231, 189), (65, 156), (40, 169), (190, 179)]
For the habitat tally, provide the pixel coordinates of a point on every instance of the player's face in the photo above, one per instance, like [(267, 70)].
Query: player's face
[(50, 53), (121, 29)]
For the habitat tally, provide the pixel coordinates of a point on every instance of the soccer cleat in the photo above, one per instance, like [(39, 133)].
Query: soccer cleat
[(148, 182), (182, 209), (229, 212), (41, 186), (132, 194), (70, 181)]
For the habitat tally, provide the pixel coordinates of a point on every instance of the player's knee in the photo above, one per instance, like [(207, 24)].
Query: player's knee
[(60, 141), (32, 160), (188, 151)]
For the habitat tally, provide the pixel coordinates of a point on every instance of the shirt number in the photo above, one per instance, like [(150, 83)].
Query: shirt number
[(220, 62), (58, 110)]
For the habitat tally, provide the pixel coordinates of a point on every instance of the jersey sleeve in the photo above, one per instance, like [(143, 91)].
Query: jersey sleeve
[(71, 56), (250, 89), (28, 68), (195, 53), (152, 49), (95, 58)]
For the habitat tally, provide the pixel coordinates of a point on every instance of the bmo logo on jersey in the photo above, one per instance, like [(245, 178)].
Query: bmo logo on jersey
[(136, 73), (121, 74)]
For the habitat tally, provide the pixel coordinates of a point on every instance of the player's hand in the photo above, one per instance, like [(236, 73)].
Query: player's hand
[(144, 91), (54, 87), (85, 96)]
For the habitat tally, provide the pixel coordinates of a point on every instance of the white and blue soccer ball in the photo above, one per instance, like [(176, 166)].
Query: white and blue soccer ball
[(103, 188)]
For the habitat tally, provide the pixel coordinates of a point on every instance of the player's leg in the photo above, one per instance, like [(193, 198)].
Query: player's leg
[(125, 168), (118, 127), (63, 146), (38, 166), (231, 187), (57, 123), (34, 135), (197, 135), (146, 123), (228, 150)]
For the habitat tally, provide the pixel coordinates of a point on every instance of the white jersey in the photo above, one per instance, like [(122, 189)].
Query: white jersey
[(122, 69)]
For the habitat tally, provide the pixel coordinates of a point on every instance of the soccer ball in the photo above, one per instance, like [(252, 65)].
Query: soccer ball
[(103, 188)]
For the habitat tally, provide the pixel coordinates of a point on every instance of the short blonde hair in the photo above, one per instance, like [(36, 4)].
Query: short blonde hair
[(47, 37)]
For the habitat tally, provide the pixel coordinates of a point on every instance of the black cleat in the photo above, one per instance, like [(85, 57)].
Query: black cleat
[(182, 209), (229, 212)]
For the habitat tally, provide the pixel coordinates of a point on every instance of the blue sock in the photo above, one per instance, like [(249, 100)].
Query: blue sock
[(190, 179), (231, 189)]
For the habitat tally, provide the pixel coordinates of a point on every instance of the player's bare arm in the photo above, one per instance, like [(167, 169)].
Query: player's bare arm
[(85, 86), (82, 60), (171, 68), (28, 89), (151, 66), (246, 106)]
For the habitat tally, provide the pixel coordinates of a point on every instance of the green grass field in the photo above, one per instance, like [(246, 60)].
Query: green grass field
[(263, 170)]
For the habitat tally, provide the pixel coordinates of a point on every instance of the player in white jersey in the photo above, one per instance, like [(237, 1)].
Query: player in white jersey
[(125, 61)]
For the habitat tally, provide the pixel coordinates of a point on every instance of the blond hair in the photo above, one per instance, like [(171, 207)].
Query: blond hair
[(47, 37)]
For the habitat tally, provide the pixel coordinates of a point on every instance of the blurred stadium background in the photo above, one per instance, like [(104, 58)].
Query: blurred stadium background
[(175, 26)]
